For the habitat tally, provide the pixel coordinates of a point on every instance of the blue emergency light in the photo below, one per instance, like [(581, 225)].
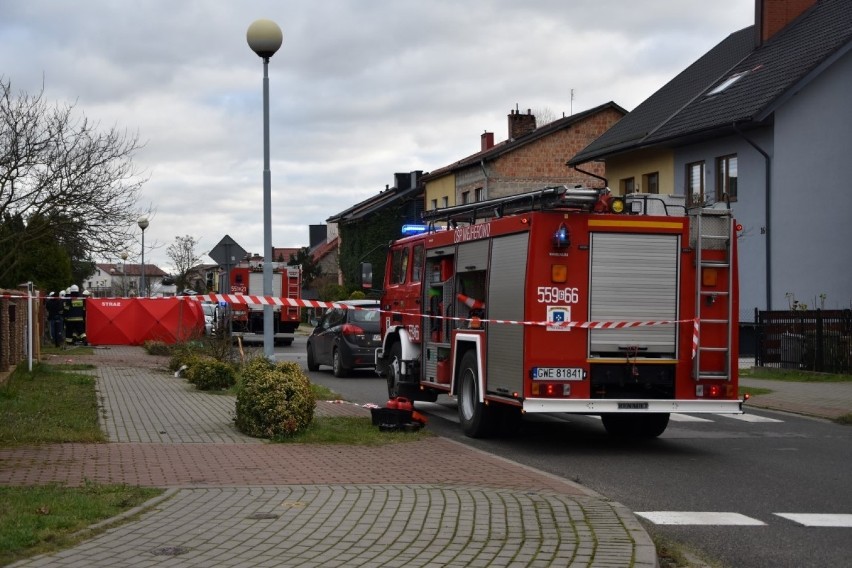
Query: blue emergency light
[(409, 230)]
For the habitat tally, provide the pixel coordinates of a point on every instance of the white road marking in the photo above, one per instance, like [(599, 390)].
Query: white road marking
[(819, 520), (750, 418), (699, 518), (675, 417), (451, 414)]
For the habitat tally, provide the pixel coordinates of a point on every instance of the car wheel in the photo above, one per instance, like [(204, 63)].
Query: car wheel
[(312, 363), (477, 419), (337, 365)]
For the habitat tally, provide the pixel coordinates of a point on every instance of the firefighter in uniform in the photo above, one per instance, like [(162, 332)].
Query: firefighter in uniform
[(54, 307), (75, 317)]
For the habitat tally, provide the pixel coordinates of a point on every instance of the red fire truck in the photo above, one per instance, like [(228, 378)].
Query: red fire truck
[(247, 320), (565, 300)]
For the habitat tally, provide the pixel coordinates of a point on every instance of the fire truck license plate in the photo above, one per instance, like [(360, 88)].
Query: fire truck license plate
[(558, 373)]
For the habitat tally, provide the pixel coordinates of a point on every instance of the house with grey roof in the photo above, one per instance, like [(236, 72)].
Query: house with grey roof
[(763, 121)]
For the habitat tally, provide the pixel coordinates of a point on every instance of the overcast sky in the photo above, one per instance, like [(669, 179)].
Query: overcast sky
[(359, 89)]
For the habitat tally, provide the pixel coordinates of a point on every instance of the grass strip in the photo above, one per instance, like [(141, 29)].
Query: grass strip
[(49, 405), (40, 519)]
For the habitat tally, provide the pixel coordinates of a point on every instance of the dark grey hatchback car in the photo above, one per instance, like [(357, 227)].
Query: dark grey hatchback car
[(346, 339)]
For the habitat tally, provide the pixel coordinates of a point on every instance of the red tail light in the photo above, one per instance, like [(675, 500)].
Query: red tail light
[(351, 329), (715, 391), (551, 390)]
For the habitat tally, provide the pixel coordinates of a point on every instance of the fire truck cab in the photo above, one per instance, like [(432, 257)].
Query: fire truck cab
[(565, 300)]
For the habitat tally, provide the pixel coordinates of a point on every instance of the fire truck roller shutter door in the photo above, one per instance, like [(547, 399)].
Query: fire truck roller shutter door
[(634, 277), (506, 290)]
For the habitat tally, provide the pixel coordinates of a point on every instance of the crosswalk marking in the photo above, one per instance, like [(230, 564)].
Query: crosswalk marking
[(450, 413), (710, 518), (750, 418), (819, 520), (687, 418), (699, 518)]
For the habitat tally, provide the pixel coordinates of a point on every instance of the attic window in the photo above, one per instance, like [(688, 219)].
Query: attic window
[(721, 87)]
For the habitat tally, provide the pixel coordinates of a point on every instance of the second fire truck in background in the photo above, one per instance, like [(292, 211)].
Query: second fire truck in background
[(247, 320)]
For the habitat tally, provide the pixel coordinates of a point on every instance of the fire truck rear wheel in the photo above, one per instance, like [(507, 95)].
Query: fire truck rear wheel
[(635, 425), (477, 420)]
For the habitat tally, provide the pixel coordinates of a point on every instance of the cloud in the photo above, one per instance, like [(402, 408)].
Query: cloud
[(359, 90)]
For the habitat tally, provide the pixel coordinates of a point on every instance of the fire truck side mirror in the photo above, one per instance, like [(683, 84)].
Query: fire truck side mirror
[(366, 275)]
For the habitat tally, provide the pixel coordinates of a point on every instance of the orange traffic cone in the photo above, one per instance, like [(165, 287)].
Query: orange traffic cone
[(471, 303)]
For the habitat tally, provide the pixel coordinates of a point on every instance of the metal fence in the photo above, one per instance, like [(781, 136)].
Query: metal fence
[(811, 340)]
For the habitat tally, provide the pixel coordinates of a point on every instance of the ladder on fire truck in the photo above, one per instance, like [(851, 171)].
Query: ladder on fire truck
[(713, 230), (552, 197), (293, 288)]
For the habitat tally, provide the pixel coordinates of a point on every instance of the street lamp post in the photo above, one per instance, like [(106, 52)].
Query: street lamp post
[(143, 224), (124, 273), (264, 38)]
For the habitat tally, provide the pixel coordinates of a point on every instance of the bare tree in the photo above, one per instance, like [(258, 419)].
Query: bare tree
[(57, 165), (184, 259), (545, 115)]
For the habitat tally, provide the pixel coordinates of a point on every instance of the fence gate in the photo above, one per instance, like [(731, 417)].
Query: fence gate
[(809, 340)]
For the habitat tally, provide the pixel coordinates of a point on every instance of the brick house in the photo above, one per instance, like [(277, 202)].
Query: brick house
[(530, 158)]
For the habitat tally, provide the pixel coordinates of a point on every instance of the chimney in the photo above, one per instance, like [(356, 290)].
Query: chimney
[(520, 124), (771, 16), (486, 141)]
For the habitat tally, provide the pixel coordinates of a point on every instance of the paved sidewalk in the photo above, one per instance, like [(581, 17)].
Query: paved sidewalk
[(821, 400), (237, 501)]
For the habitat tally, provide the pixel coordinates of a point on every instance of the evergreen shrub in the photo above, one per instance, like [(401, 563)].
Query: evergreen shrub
[(274, 400), (209, 374)]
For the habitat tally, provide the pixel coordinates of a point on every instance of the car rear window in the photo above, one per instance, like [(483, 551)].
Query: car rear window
[(364, 315)]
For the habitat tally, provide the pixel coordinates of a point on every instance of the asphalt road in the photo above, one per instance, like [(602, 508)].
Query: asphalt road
[(755, 470)]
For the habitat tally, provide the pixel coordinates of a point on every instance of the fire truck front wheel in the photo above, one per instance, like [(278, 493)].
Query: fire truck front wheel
[(635, 425), (395, 385), (477, 420)]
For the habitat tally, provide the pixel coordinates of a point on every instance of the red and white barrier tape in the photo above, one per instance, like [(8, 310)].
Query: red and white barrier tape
[(246, 299), (291, 302)]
